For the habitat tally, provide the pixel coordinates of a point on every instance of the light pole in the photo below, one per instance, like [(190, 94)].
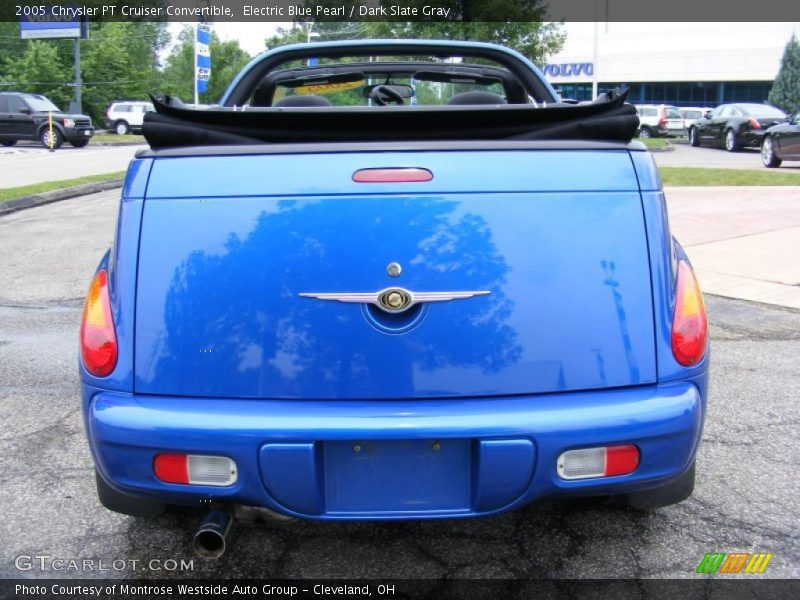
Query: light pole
[(597, 10), (594, 56)]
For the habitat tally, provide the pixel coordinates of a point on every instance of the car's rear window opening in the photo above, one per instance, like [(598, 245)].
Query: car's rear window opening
[(175, 125), (364, 94)]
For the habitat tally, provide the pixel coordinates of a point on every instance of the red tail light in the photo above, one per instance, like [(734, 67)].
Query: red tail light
[(98, 339), (689, 324), (621, 460), (172, 468), (754, 124), (393, 175), (662, 117)]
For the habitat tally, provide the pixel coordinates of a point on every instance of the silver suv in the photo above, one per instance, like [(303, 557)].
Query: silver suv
[(125, 117), (660, 120)]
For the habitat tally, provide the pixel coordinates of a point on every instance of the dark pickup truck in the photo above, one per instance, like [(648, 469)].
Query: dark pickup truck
[(26, 117)]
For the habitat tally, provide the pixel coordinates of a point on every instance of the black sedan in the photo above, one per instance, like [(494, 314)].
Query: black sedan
[(781, 142), (735, 126)]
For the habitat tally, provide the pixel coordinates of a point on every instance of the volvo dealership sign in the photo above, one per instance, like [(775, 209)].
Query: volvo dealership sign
[(37, 22), (30, 30), (585, 69)]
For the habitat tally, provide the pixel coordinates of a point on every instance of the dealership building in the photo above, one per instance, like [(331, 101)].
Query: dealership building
[(683, 64)]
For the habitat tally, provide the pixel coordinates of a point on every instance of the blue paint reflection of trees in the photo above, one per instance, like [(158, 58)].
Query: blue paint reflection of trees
[(268, 342)]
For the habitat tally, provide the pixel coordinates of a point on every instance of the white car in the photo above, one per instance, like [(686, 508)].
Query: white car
[(660, 120), (124, 117), (692, 113)]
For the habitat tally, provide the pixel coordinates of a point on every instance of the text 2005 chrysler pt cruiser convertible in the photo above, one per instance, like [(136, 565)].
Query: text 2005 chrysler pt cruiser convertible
[(394, 289)]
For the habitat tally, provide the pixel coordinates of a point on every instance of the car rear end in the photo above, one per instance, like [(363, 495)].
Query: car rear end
[(757, 119), (671, 121), (692, 114), (561, 350)]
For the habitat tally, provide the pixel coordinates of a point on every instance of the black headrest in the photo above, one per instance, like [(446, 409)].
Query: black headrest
[(303, 100), (262, 96), (477, 98)]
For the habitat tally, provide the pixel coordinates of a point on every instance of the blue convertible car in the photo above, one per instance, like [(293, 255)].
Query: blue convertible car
[(406, 288)]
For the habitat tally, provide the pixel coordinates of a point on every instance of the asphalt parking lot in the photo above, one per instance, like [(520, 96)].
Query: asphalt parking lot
[(684, 155), (28, 163), (745, 499)]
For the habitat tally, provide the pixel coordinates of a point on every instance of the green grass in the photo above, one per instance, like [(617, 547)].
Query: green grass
[(113, 138), (37, 188), (654, 143), (676, 176)]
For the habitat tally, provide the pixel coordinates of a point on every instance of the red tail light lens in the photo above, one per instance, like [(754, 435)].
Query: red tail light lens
[(689, 324), (662, 117), (393, 175), (172, 468), (754, 124), (98, 339), (621, 460)]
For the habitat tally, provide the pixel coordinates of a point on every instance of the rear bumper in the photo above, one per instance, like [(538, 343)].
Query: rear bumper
[(416, 458), (751, 137)]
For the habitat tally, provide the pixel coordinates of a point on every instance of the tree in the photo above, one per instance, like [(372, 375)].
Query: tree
[(785, 92), (178, 71), (284, 36), (110, 72), (120, 60), (517, 24), (39, 71), (227, 59), (12, 47)]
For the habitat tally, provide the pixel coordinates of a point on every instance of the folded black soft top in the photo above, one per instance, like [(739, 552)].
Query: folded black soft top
[(175, 125)]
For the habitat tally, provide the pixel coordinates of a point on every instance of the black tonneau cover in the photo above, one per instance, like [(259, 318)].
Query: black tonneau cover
[(175, 125)]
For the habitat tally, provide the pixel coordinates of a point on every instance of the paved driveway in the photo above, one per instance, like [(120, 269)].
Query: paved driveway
[(25, 165), (745, 500), (686, 156), (744, 242)]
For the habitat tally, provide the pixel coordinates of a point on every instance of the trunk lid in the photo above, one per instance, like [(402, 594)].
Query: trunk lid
[(229, 243)]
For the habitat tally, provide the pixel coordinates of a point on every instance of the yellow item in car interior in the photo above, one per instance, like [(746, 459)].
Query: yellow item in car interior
[(328, 88)]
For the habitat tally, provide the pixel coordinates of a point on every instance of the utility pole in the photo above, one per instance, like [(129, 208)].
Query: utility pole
[(196, 96), (595, 75), (594, 55), (76, 46)]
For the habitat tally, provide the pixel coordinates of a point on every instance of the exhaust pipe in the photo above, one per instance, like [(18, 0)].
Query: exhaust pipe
[(211, 535)]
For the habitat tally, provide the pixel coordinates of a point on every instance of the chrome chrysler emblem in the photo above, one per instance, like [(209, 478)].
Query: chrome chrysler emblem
[(395, 299)]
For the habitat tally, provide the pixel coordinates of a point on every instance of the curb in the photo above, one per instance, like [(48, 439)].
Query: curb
[(142, 143), (112, 144), (668, 148), (35, 200)]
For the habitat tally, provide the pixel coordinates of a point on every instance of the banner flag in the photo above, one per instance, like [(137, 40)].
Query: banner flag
[(203, 56)]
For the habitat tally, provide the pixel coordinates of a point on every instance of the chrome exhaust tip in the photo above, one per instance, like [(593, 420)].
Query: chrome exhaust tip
[(210, 540)]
